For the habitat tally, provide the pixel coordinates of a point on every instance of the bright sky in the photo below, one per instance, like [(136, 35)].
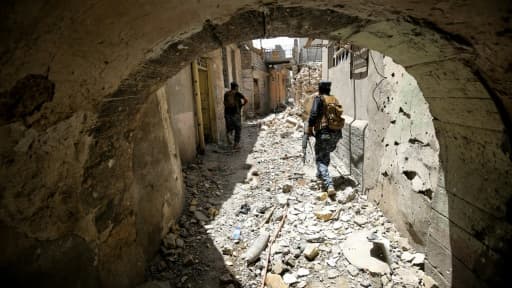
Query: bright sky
[(285, 42)]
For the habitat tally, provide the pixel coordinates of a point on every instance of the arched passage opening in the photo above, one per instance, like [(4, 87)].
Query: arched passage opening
[(100, 186)]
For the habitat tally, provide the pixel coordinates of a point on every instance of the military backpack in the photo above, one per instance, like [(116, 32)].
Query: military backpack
[(332, 113)]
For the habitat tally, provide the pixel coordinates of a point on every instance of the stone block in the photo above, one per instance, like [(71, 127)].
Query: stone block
[(311, 251)]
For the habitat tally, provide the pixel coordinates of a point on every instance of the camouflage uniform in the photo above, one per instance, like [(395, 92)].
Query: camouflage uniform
[(325, 143), (326, 139)]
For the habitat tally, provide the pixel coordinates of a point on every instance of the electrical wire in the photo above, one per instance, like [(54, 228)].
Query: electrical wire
[(375, 88)]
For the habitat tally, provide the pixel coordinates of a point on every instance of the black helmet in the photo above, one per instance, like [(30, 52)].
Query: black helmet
[(324, 87), (234, 85)]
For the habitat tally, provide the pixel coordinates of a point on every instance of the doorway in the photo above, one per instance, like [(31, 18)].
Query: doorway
[(256, 91), (207, 103)]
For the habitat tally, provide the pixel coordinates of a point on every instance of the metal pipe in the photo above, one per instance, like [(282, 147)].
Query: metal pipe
[(350, 127), (199, 111), (362, 168)]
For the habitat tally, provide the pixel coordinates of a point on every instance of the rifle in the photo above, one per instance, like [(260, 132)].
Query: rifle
[(305, 142)]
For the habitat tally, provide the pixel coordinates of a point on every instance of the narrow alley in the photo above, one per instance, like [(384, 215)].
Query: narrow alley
[(322, 241), (116, 168)]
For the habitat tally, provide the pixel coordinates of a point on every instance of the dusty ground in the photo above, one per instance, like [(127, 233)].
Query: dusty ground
[(267, 179)]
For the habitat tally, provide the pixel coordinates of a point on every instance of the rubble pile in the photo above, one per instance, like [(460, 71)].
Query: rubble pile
[(305, 82), (238, 204)]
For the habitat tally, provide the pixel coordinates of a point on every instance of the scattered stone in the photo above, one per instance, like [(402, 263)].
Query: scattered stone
[(290, 262), (324, 215), (311, 251), (200, 216), (345, 218), (292, 121), (282, 199), (407, 257), (360, 220), (353, 271), (213, 212), (169, 240), (332, 273), (244, 209), (357, 251), (407, 277), (290, 278), (227, 250), (322, 196), (419, 259), (337, 225), (365, 283), (384, 280), (315, 284), (429, 282), (272, 178), (332, 262), (287, 188), (188, 260), (404, 243), (375, 281), (278, 267), (316, 238), (180, 243), (346, 195), (341, 282), (302, 272), (275, 281)]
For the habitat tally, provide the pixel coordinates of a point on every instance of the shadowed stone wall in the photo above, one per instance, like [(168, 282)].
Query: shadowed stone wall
[(70, 151)]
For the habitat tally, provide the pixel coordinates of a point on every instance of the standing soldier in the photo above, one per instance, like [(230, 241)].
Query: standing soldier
[(325, 123), (233, 103)]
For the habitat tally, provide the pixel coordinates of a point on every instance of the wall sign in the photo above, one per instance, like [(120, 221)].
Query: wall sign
[(359, 63)]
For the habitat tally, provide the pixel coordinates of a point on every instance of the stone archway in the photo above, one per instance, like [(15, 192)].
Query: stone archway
[(104, 67)]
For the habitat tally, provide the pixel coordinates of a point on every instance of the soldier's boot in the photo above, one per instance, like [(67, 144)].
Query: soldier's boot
[(331, 191)]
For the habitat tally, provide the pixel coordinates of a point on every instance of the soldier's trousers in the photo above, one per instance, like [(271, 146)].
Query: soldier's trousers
[(325, 143), (234, 122)]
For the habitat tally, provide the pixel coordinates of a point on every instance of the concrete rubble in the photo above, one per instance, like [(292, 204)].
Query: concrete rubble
[(313, 248)]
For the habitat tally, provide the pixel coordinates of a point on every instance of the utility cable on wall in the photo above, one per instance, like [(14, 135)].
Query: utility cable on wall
[(378, 84)]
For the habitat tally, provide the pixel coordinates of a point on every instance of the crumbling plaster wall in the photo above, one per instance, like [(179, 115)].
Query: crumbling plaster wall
[(344, 87), (217, 77), (402, 166), (180, 100), (105, 59)]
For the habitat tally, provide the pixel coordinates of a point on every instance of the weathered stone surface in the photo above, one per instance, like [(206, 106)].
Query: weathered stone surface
[(311, 251), (357, 250), (342, 283), (275, 281), (290, 278), (408, 277), (406, 256), (360, 220), (302, 272), (419, 259), (347, 195), (429, 282)]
